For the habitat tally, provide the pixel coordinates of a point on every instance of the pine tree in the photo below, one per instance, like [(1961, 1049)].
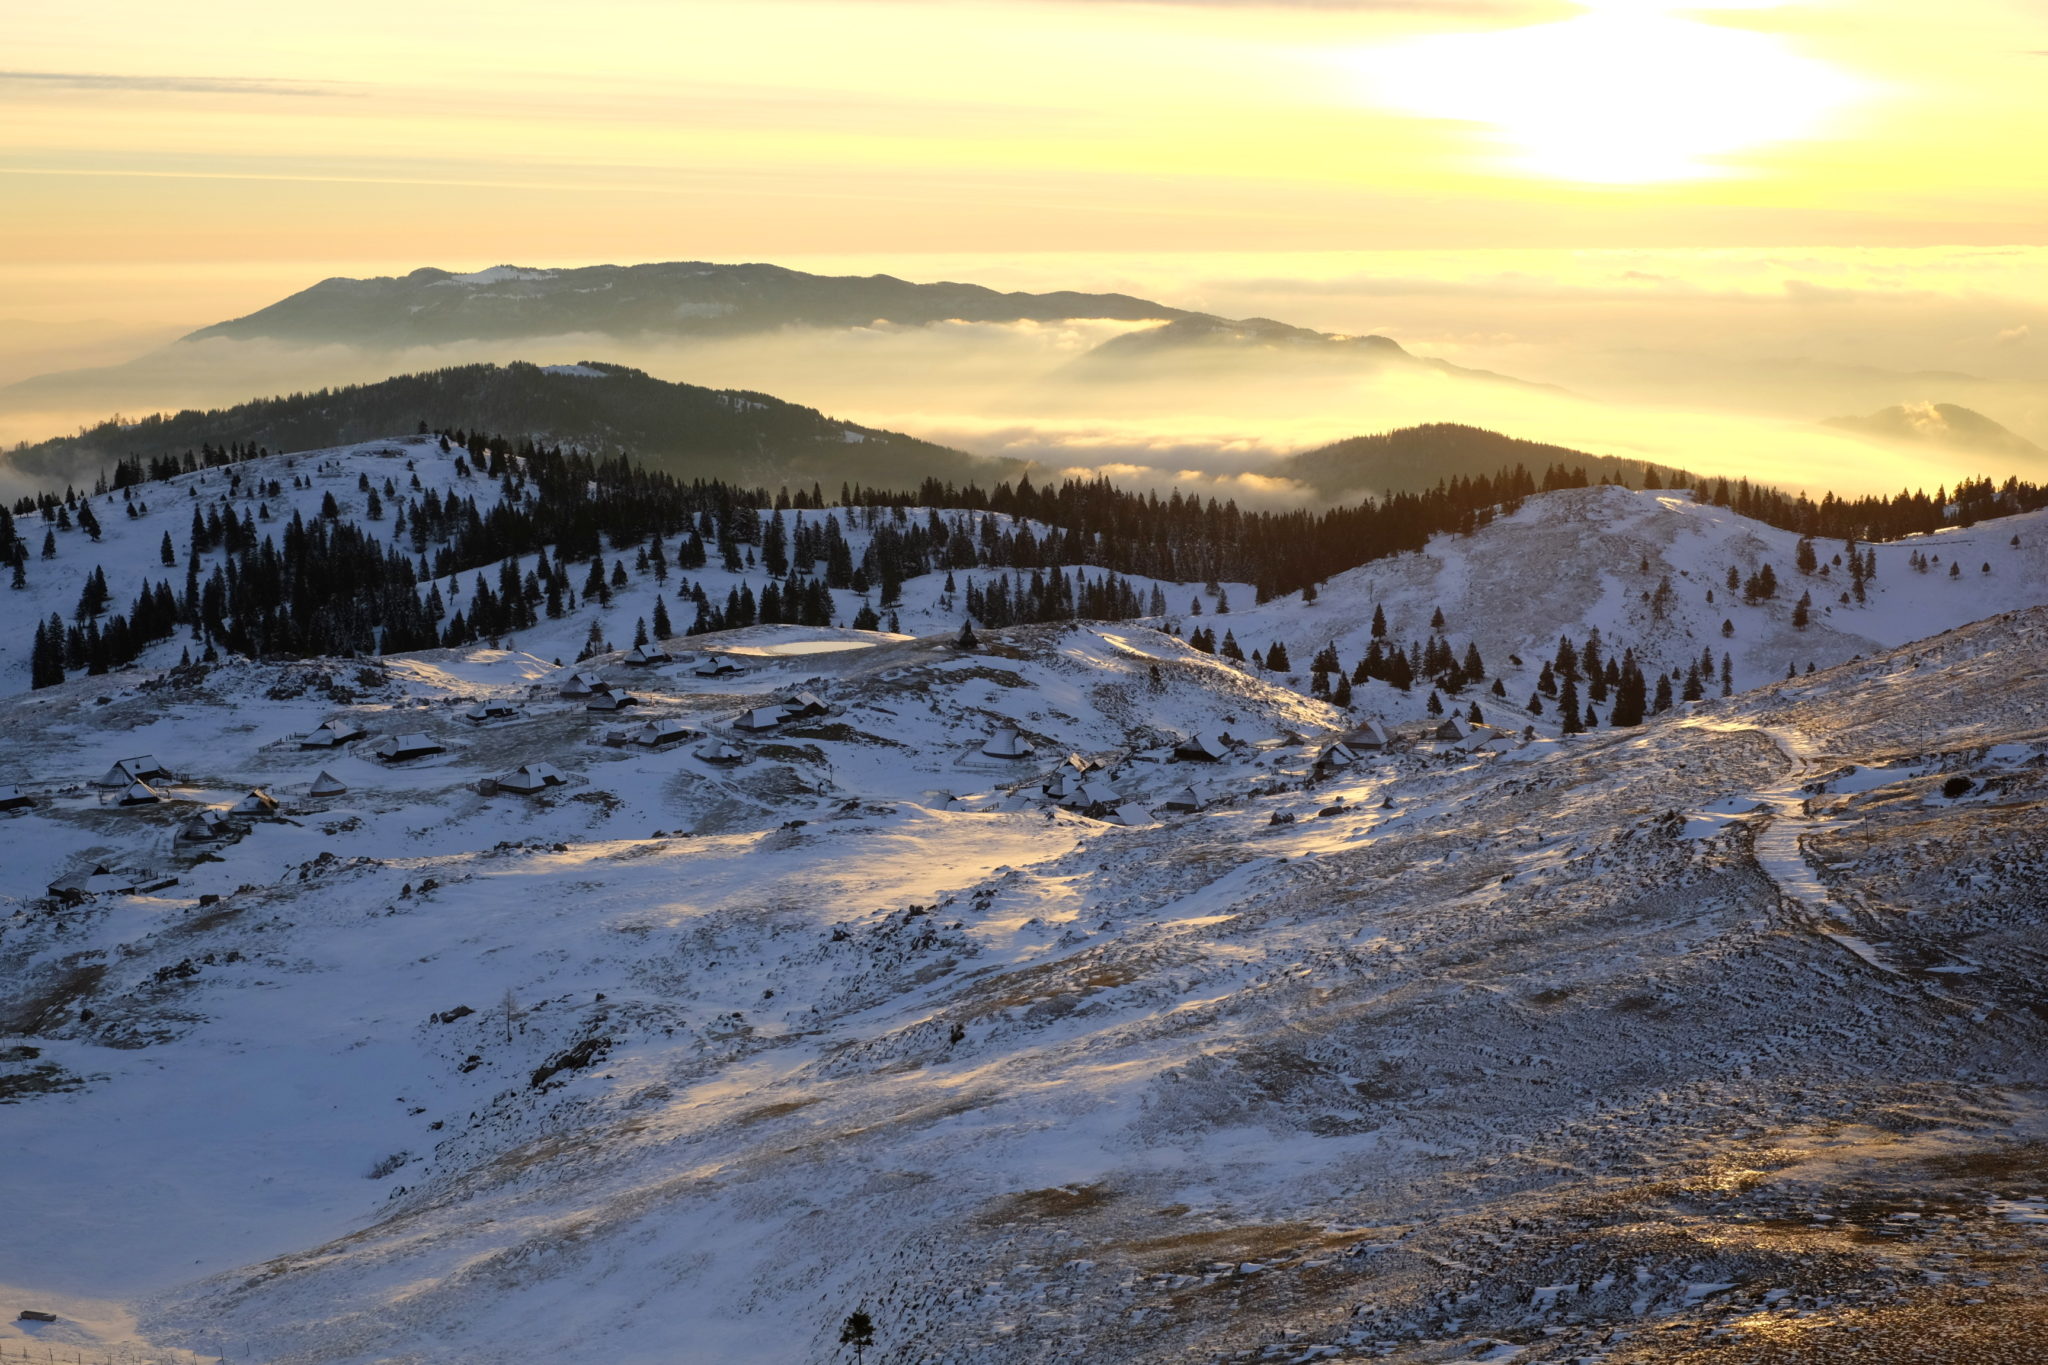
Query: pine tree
[(1277, 660), (1568, 708), (967, 638), (1435, 704), (1802, 613), (1379, 623), (663, 627), (1340, 695), (166, 552)]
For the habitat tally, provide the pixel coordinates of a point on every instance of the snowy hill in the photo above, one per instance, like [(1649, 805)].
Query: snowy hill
[(130, 549), (1603, 554), (1061, 994), (684, 1061)]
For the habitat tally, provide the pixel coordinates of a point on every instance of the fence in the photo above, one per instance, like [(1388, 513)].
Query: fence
[(64, 1353)]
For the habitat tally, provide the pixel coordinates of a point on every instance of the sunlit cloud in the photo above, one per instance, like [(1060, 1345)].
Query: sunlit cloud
[(175, 85)]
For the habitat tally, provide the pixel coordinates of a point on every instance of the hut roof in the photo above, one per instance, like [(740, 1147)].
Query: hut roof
[(327, 784), (257, 802), (1007, 743), (528, 778), (406, 746), (662, 730), (1371, 735)]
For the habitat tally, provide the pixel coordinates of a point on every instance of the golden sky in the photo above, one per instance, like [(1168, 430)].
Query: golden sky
[(136, 133), (1548, 187)]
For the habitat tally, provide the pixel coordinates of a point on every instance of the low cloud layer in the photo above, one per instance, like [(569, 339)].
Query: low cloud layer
[(1713, 361)]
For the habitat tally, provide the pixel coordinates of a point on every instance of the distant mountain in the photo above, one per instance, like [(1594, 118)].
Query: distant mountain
[(681, 428), (1418, 458), (1942, 424), (1195, 334), (677, 298)]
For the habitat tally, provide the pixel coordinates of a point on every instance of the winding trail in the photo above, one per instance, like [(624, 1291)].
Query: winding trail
[(1780, 848)]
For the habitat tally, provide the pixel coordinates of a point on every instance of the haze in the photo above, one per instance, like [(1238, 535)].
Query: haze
[(1708, 227)]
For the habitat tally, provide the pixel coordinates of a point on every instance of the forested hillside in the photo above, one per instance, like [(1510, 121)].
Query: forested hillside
[(681, 428)]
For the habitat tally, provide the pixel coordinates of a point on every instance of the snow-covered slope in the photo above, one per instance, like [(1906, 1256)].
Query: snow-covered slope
[(129, 551), (1579, 559), (1671, 1027), (1628, 1046)]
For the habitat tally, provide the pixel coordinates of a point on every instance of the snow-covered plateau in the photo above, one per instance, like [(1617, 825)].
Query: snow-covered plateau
[(1070, 995)]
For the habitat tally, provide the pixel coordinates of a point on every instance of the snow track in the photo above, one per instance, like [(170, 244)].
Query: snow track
[(1780, 846)]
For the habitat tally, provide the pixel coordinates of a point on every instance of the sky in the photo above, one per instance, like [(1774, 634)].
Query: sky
[(1640, 196)]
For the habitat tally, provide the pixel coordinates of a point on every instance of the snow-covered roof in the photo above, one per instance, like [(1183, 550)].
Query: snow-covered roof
[(1007, 743), (1371, 735), (1096, 794), (329, 734), (327, 784), (257, 802), (409, 746), (139, 794), (714, 665), (11, 797), (207, 824), (1209, 745), (490, 710), (531, 777), (129, 770), (582, 684), (721, 753), (761, 718), (662, 730), (647, 654)]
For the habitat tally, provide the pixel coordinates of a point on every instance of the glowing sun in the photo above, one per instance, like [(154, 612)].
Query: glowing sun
[(1628, 92)]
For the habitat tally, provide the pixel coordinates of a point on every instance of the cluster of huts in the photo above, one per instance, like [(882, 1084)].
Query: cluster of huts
[(795, 706)]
